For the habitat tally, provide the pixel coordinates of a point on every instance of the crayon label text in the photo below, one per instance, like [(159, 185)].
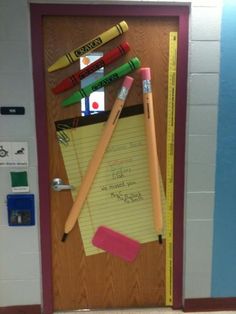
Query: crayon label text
[(88, 47)]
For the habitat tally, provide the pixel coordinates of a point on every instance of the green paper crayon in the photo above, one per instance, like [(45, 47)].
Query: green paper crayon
[(112, 76)]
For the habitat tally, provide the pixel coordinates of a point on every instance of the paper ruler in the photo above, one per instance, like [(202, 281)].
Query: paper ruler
[(173, 40)]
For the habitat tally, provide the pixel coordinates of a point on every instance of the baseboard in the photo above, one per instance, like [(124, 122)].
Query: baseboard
[(209, 304), (21, 309)]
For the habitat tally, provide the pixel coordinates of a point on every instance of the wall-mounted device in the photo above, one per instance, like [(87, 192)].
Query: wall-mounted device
[(10, 110), (21, 209)]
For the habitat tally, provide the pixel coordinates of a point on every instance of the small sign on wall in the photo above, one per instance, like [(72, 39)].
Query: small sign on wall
[(13, 154)]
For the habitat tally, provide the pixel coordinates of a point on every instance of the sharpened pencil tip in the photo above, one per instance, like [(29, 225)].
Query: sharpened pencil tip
[(160, 238), (63, 239)]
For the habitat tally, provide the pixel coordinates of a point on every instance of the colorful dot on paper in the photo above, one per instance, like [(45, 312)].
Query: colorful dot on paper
[(95, 105), (86, 60)]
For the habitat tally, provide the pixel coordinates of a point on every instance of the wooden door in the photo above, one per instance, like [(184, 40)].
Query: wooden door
[(101, 280)]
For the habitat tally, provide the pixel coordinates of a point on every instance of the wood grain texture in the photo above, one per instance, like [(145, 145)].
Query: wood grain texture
[(103, 281)]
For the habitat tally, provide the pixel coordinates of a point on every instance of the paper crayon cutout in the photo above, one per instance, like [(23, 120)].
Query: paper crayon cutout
[(75, 78), (112, 76), (89, 46), (116, 243)]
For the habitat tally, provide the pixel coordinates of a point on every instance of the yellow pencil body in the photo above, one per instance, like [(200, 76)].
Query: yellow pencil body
[(97, 157), (154, 168), (89, 46)]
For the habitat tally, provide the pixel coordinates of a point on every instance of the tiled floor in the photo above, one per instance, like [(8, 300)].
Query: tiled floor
[(141, 311)]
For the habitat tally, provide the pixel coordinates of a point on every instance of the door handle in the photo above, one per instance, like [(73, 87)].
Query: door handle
[(58, 185)]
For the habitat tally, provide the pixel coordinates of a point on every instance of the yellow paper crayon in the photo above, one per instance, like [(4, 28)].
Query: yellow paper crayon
[(89, 46)]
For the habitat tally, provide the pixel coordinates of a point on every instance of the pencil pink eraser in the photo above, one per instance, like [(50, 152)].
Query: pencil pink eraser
[(145, 74), (116, 243), (128, 81)]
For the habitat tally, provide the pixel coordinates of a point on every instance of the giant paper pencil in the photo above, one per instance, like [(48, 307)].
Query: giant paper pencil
[(112, 76), (153, 161), (108, 58), (89, 46), (97, 157)]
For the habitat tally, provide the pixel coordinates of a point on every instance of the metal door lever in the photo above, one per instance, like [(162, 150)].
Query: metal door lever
[(58, 185)]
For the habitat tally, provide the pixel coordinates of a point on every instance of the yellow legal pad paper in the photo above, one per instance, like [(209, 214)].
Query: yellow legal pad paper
[(120, 197)]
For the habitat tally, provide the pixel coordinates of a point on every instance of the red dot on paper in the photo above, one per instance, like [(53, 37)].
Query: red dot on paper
[(95, 105)]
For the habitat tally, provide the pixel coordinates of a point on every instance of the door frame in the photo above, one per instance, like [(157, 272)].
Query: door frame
[(37, 11)]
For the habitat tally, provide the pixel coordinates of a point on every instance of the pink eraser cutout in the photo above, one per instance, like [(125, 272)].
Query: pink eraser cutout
[(145, 73), (128, 81), (116, 243)]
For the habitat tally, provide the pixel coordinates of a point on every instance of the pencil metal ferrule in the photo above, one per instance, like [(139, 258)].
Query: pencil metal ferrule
[(123, 93), (147, 88)]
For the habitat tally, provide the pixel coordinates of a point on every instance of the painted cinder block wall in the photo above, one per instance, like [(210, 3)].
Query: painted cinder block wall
[(20, 273)]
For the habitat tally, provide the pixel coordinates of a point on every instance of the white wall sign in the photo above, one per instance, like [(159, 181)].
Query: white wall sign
[(13, 154)]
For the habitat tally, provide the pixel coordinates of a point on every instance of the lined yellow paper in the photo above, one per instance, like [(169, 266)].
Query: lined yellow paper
[(120, 197)]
